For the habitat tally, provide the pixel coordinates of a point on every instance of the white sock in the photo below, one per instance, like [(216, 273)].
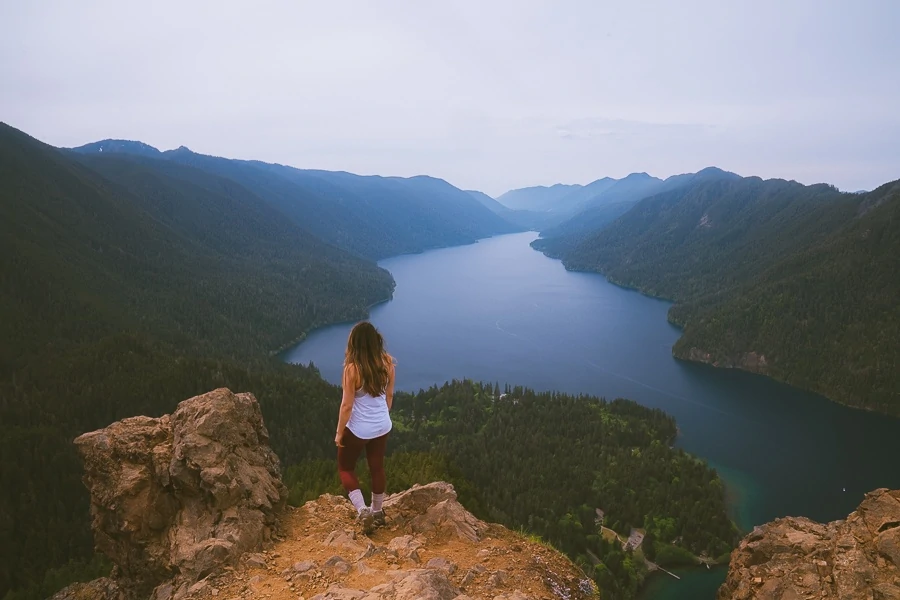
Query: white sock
[(356, 498), (377, 499)]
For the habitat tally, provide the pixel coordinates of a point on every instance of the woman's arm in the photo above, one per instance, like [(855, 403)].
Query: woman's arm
[(348, 382), (389, 390)]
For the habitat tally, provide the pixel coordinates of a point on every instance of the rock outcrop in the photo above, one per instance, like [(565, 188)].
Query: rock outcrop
[(191, 506), (432, 548), (793, 558), (175, 498)]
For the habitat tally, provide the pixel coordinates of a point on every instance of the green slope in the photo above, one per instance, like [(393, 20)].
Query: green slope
[(613, 200), (773, 269), (826, 317)]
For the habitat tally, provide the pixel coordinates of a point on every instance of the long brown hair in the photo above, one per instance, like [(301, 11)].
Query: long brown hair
[(365, 351)]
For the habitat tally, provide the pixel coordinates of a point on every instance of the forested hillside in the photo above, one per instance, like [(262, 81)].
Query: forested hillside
[(374, 217), (615, 199), (546, 463), (125, 293), (797, 282), (158, 248)]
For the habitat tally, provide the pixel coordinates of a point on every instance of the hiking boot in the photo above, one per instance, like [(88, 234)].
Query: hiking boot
[(365, 518), (378, 518)]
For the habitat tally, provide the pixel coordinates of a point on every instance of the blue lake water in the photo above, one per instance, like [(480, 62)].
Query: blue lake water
[(500, 311)]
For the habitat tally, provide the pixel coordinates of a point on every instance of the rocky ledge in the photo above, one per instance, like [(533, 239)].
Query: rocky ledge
[(191, 506), (794, 558)]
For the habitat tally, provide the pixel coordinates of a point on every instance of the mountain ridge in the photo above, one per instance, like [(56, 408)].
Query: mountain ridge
[(536, 198), (371, 216)]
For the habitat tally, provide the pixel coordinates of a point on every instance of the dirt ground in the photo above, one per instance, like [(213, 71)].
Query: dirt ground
[(323, 552)]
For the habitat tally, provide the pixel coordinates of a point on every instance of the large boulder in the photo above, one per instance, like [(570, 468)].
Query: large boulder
[(434, 507), (857, 558), (173, 498)]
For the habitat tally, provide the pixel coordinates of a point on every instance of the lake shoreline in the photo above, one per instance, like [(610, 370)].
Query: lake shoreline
[(366, 312), (681, 326)]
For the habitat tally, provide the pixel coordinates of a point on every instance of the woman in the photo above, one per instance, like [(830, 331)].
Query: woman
[(364, 420)]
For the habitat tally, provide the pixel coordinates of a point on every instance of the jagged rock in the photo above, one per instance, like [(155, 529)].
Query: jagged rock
[(441, 563), (853, 559), (431, 507), (425, 584), (344, 539), (303, 566), (181, 495), (406, 546), (470, 576), (198, 587), (498, 579), (255, 560), (336, 565), (363, 569), (99, 589), (339, 593)]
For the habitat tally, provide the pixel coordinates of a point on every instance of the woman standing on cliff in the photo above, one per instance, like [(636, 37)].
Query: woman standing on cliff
[(364, 420)]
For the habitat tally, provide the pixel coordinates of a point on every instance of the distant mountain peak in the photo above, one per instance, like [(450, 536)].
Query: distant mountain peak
[(717, 173), (637, 176), (118, 146), (539, 197)]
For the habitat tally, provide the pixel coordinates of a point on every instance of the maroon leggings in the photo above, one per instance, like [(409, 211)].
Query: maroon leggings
[(349, 453)]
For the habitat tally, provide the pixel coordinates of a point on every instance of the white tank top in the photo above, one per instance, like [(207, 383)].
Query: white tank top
[(369, 418)]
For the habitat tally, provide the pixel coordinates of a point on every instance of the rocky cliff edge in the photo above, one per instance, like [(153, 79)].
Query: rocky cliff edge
[(191, 506), (794, 558)]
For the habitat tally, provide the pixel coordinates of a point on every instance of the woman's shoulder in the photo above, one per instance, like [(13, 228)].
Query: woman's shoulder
[(351, 372)]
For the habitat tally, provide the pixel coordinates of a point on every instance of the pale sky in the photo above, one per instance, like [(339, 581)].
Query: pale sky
[(487, 94)]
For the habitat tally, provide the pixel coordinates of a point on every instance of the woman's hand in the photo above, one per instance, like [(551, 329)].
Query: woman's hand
[(337, 439)]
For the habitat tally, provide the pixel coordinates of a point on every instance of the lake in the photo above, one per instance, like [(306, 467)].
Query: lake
[(500, 311)]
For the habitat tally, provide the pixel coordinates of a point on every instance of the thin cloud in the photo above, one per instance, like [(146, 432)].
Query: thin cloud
[(488, 95)]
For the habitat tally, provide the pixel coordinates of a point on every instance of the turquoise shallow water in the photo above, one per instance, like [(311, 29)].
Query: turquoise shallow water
[(699, 583), (500, 311)]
